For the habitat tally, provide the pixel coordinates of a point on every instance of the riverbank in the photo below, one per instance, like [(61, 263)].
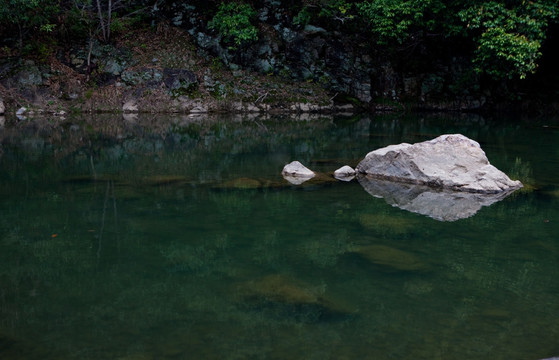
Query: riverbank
[(154, 71), (165, 69)]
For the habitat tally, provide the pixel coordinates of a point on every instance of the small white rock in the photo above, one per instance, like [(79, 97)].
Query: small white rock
[(296, 169), (199, 110), (252, 108), (130, 106), (345, 173)]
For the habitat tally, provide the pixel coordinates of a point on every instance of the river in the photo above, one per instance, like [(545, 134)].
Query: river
[(158, 237)]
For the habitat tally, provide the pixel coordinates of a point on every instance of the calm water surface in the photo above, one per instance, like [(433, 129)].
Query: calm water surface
[(179, 239)]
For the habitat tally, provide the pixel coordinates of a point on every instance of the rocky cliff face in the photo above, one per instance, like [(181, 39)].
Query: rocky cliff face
[(304, 53), (344, 63), (179, 64)]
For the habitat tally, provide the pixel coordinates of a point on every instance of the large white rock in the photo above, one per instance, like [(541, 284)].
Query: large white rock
[(2, 107), (449, 161)]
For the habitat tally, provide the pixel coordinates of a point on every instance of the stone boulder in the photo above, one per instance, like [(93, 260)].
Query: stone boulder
[(150, 77), (20, 113), (297, 173), (345, 173), (2, 107), (130, 106), (452, 162), (180, 81)]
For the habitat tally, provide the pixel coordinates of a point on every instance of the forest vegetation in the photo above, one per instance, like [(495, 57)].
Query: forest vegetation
[(506, 41)]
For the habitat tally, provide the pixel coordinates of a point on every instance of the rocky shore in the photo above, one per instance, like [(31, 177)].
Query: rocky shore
[(179, 65), (160, 72)]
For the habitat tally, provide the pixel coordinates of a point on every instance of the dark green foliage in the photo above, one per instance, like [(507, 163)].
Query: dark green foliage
[(20, 17), (303, 17), (507, 34), (394, 20), (23, 22), (508, 37), (504, 38), (339, 10), (233, 22), (77, 22)]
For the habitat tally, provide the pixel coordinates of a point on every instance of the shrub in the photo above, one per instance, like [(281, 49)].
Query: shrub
[(232, 21)]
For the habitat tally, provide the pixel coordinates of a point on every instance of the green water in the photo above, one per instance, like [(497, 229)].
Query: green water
[(179, 239)]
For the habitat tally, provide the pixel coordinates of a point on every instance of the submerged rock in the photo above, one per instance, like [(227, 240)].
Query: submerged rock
[(283, 296), (387, 224), (279, 288), (240, 184), (448, 161), (158, 180), (391, 259), (439, 204)]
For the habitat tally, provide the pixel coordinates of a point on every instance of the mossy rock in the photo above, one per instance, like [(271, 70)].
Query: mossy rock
[(391, 259), (551, 192), (386, 223), (528, 188), (275, 185), (158, 180), (240, 184), (279, 288), (282, 297), (322, 178)]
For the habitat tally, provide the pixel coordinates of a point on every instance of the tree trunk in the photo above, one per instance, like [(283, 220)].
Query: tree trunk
[(101, 21), (109, 13)]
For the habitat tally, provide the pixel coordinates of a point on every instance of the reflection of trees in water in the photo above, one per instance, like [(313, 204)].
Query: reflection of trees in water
[(183, 143), (109, 194)]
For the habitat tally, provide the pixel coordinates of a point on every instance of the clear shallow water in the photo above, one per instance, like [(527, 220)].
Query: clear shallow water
[(178, 239)]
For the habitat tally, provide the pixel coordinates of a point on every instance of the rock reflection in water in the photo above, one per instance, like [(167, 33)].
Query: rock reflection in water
[(439, 204)]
